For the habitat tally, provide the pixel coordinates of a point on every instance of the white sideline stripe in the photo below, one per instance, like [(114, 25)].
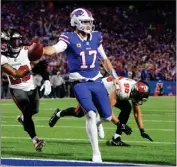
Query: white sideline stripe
[(76, 119), (82, 161), (67, 139), (82, 127), (64, 160)]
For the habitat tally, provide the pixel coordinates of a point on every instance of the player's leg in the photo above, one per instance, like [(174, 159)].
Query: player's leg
[(101, 101), (21, 98), (100, 126), (71, 111), (34, 108), (84, 97), (125, 107)]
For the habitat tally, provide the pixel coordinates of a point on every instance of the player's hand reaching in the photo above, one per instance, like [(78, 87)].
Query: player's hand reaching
[(47, 87), (145, 135), (126, 129)]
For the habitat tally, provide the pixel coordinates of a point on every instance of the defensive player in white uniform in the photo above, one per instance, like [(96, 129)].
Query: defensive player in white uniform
[(23, 90), (137, 92), (6, 68)]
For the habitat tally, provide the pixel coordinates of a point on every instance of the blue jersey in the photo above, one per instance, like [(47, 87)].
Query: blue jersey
[(82, 55)]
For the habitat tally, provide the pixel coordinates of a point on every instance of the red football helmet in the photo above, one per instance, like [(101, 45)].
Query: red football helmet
[(140, 92)]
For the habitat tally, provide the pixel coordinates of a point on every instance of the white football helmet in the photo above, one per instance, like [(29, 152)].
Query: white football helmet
[(79, 16)]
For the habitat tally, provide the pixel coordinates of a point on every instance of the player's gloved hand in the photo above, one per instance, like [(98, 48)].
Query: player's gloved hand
[(145, 135), (47, 87), (40, 67), (126, 129)]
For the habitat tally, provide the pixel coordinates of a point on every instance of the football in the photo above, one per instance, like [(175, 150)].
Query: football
[(35, 51)]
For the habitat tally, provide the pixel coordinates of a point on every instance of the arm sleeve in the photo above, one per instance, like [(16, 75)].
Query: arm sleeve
[(3, 60), (61, 46), (102, 52)]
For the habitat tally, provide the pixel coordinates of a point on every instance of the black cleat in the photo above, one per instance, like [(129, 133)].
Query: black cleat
[(54, 118), (117, 142)]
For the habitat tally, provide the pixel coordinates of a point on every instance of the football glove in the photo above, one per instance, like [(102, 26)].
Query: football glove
[(145, 135), (125, 128), (47, 87)]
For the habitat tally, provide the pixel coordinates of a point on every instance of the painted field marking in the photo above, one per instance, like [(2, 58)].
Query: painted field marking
[(70, 139), (83, 127)]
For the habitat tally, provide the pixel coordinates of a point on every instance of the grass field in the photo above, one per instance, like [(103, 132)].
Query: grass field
[(68, 139)]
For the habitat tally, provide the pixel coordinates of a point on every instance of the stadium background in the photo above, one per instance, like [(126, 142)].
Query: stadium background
[(140, 40), (138, 37)]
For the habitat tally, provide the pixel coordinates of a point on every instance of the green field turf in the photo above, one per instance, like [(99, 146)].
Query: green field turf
[(68, 139)]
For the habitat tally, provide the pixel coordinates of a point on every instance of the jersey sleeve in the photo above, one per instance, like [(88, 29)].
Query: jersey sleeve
[(102, 52), (63, 43), (3, 60), (100, 38), (65, 37), (61, 46)]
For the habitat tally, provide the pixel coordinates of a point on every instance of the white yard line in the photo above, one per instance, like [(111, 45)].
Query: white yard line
[(83, 127), (67, 139), (76, 119)]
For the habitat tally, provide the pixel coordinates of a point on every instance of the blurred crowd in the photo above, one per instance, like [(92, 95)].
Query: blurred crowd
[(138, 38)]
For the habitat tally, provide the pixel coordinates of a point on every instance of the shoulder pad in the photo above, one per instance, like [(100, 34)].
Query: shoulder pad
[(65, 36)]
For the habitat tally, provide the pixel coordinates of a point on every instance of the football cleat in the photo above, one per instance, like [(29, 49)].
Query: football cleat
[(39, 145), (19, 119), (54, 118), (100, 131), (117, 142)]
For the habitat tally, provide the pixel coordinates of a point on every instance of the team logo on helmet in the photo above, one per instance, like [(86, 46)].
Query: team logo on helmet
[(82, 19), (140, 92)]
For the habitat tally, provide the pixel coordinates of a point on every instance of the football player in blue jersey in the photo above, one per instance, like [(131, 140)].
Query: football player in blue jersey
[(84, 50)]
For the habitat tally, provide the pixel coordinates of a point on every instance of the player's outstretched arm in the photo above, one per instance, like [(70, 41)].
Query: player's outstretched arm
[(138, 117), (61, 46), (49, 50), (6, 68)]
